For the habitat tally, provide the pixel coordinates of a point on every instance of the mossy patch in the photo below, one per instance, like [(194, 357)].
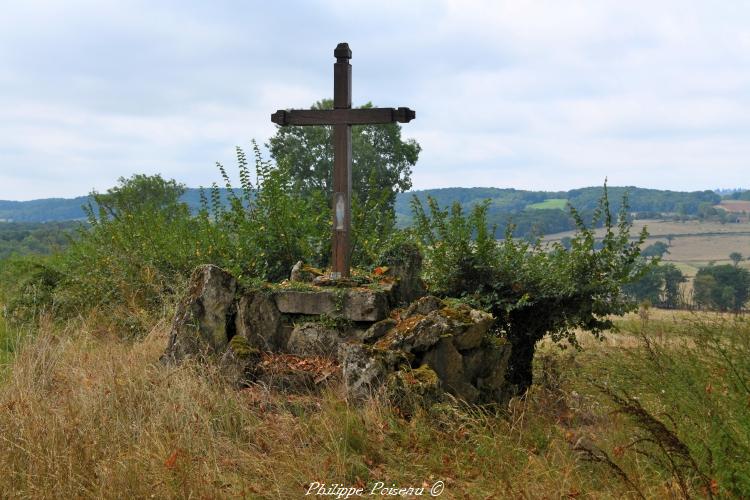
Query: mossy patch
[(408, 324), (401, 329), (409, 390), (495, 341), (241, 348), (458, 312), (425, 375)]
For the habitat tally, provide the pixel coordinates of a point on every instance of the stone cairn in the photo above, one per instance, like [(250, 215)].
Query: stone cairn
[(385, 339)]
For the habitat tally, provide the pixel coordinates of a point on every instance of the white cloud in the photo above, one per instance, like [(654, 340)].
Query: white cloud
[(526, 94)]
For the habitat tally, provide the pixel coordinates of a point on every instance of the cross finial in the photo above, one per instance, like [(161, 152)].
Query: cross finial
[(342, 52)]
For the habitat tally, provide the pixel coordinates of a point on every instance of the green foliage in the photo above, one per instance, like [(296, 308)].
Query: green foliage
[(707, 212), (507, 206), (268, 226), (40, 238), (532, 290), (657, 250), (660, 286), (28, 286), (142, 242), (740, 195), (381, 168), (532, 214), (736, 258), (138, 194), (377, 151), (724, 288)]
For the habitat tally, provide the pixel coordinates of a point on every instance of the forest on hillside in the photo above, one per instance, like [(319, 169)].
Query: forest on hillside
[(532, 213)]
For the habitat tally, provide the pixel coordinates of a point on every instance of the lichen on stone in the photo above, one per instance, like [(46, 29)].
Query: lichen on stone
[(241, 347), (460, 313), (412, 389)]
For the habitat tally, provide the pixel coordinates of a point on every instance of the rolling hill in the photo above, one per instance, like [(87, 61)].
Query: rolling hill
[(532, 212)]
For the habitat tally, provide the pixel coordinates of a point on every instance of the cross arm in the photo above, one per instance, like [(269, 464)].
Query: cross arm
[(365, 116)]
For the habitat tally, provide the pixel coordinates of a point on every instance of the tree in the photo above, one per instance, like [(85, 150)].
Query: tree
[(531, 289), (723, 287), (657, 249), (381, 167), (307, 152), (736, 258), (660, 285), (139, 193), (673, 278), (648, 288)]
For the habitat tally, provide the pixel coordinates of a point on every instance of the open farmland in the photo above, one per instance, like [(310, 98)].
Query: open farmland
[(737, 206), (693, 244)]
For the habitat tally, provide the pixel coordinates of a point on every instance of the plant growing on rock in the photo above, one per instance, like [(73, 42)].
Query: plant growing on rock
[(532, 289)]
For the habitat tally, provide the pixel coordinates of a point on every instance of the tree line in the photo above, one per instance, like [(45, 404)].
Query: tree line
[(724, 287)]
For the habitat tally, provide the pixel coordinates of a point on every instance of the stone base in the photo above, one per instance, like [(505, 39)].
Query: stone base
[(354, 304), (416, 353)]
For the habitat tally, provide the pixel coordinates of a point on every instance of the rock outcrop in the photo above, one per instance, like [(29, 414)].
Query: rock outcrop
[(404, 265), (420, 352), (203, 323)]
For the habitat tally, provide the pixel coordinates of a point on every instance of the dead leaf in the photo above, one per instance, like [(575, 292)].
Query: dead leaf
[(170, 462), (379, 271)]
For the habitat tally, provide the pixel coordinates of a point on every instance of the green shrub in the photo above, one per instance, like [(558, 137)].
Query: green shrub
[(532, 290), (141, 244)]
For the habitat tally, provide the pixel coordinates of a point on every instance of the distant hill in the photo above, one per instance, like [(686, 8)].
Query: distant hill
[(66, 209), (532, 212), (545, 212), (44, 210)]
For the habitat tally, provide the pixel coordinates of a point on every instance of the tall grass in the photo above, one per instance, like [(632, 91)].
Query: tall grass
[(678, 403), (663, 414), (86, 415)]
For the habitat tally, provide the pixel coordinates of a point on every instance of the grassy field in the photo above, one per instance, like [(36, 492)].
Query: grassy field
[(83, 414), (550, 203)]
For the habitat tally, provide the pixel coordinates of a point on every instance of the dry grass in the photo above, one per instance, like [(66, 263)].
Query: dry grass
[(737, 206), (694, 243), (85, 415)]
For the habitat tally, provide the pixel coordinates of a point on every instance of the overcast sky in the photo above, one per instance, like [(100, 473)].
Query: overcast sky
[(532, 95)]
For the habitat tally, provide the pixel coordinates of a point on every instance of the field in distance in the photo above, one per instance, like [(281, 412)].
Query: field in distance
[(693, 243)]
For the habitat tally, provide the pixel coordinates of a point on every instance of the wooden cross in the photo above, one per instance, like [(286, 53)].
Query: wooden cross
[(342, 117)]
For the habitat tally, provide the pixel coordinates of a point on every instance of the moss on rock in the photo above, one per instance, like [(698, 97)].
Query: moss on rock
[(241, 347)]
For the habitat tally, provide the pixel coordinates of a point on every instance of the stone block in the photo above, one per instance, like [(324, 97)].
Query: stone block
[(376, 331), (199, 327), (352, 304), (314, 339), (259, 321)]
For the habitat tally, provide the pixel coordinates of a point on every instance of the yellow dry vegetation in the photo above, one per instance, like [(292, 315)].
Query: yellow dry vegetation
[(84, 414)]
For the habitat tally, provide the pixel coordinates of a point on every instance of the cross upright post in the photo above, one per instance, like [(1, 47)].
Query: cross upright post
[(342, 117), (342, 163)]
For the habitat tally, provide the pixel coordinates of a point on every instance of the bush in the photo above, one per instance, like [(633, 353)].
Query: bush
[(532, 290), (141, 243)]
